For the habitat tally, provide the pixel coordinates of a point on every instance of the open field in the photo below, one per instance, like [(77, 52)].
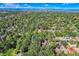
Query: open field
[(39, 34)]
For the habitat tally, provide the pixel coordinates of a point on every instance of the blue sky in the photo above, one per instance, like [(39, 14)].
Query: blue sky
[(22, 6)]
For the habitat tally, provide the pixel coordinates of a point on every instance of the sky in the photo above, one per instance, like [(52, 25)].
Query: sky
[(39, 1), (39, 4), (22, 6)]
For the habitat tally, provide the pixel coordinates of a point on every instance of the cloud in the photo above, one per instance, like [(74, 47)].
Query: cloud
[(9, 4), (25, 4), (13, 5), (46, 5)]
